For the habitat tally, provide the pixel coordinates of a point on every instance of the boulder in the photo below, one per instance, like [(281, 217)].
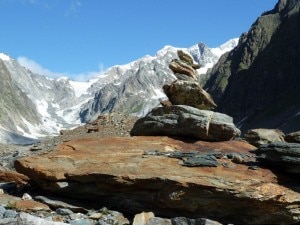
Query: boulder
[(293, 137), (160, 221), (115, 172), (186, 121), (142, 218), (281, 155), (30, 205), (189, 93), (258, 137), (178, 66)]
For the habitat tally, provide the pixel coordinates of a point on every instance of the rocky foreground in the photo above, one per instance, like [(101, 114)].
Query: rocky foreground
[(138, 174), (178, 180)]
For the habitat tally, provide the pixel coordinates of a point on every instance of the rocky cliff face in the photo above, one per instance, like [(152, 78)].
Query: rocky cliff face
[(12, 97), (257, 82)]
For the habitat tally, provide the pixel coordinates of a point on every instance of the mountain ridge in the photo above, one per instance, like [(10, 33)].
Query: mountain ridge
[(257, 82)]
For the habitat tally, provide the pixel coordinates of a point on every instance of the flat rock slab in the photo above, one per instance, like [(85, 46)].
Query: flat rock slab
[(186, 121), (116, 173)]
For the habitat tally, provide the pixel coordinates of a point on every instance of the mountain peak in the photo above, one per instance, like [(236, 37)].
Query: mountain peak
[(4, 57), (230, 44), (286, 4)]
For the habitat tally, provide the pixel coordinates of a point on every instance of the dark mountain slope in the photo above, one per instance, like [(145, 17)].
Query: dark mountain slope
[(258, 83)]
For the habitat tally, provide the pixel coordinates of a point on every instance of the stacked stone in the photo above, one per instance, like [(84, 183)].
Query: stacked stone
[(187, 114), (186, 90)]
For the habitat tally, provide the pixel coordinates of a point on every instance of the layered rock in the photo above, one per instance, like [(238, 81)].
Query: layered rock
[(184, 56), (116, 172), (184, 65), (179, 66), (281, 155), (181, 120), (186, 90), (262, 136)]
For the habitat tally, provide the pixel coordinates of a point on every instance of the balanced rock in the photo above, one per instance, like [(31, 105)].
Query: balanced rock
[(189, 93), (114, 172), (281, 155), (178, 66), (293, 137), (258, 137), (186, 121), (186, 57)]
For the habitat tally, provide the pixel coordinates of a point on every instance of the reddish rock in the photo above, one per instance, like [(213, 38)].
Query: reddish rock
[(115, 171), (13, 176), (30, 205)]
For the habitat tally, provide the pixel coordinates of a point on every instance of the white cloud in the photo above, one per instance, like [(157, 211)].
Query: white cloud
[(37, 68)]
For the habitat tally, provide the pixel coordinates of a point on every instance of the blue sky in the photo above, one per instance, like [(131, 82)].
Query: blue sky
[(81, 37)]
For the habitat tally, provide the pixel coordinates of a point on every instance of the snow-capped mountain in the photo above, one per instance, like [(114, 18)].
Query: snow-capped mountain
[(137, 87), (33, 106), (38, 106), (208, 57)]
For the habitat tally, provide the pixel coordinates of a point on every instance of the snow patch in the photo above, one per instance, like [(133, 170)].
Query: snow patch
[(42, 108), (158, 94), (226, 47), (4, 57), (34, 131), (80, 88)]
